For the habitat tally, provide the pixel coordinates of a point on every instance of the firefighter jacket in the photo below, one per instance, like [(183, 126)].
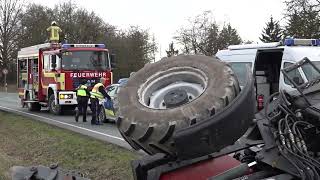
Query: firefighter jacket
[(99, 92), (82, 91), (54, 33)]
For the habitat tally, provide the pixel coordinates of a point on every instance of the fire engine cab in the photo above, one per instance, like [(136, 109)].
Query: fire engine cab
[(49, 73)]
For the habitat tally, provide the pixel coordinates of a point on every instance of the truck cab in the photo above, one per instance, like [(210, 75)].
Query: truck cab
[(266, 60)]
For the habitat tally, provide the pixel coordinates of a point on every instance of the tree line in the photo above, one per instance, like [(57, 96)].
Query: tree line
[(25, 25), (301, 20), (203, 35)]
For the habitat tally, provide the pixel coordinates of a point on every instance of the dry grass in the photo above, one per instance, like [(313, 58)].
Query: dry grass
[(27, 142)]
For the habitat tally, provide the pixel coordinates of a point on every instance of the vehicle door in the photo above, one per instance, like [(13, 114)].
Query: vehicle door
[(296, 74)]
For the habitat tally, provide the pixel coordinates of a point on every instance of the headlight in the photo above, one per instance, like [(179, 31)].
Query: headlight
[(66, 96)]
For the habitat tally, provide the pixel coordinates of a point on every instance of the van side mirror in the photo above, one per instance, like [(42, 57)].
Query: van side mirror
[(53, 62), (112, 61)]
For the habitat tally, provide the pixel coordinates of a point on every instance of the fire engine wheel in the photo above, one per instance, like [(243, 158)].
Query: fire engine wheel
[(53, 107), (22, 103), (172, 94), (32, 106)]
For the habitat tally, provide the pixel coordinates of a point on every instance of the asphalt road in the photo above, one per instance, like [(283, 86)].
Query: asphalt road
[(107, 132)]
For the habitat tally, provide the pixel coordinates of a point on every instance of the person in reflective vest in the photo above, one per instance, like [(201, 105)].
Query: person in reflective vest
[(97, 93), (54, 32), (82, 98)]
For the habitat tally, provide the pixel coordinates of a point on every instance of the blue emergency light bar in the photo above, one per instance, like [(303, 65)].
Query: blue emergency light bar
[(301, 42), (83, 46)]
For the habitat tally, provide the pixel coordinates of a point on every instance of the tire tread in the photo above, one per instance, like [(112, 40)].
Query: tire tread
[(136, 119)]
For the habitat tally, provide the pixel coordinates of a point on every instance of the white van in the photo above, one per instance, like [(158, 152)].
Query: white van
[(267, 59)]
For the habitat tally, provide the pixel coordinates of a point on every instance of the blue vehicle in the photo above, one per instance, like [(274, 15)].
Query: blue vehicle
[(109, 114)]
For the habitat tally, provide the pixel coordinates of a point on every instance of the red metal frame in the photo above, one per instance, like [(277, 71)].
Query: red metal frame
[(202, 170)]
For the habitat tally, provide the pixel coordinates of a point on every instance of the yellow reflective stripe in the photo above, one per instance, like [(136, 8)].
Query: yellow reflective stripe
[(95, 91), (96, 87), (109, 112), (49, 75), (61, 80), (96, 95), (81, 91), (54, 32)]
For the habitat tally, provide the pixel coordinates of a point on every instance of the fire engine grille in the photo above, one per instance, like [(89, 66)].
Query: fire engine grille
[(90, 82)]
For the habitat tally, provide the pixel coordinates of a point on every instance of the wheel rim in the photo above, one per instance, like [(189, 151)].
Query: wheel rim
[(22, 103), (190, 80), (102, 114), (54, 107), (28, 104)]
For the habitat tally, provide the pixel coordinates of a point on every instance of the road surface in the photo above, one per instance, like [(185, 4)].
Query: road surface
[(106, 132)]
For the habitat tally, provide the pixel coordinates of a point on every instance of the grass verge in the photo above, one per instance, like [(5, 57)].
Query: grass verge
[(27, 142)]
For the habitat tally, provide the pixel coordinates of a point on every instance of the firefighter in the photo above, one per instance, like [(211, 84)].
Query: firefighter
[(54, 32), (83, 95), (98, 93)]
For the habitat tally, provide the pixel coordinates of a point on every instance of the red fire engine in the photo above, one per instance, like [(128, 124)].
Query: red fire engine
[(49, 73)]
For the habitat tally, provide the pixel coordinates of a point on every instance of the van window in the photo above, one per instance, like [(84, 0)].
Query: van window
[(240, 69), (310, 72), (294, 74)]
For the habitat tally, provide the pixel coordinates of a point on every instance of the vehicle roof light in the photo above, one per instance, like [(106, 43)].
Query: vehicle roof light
[(83, 45), (315, 42), (301, 42), (65, 46), (100, 45)]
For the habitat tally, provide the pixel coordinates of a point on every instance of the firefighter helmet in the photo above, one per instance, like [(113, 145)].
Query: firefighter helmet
[(53, 23)]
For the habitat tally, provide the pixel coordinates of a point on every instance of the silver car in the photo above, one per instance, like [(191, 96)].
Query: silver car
[(112, 91)]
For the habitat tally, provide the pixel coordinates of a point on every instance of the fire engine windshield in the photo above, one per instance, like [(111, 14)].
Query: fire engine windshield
[(85, 60)]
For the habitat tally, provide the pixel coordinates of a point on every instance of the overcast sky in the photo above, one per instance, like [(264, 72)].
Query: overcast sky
[(164, 17)]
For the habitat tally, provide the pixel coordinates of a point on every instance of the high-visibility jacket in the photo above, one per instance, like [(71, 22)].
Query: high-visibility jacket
[(54, 33), (81, 90), (95, 93)]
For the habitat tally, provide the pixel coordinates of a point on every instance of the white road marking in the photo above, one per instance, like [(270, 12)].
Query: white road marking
[(100, 133)]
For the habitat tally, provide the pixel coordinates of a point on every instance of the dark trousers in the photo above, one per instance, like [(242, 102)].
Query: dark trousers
[(82, 107), (95, 107)]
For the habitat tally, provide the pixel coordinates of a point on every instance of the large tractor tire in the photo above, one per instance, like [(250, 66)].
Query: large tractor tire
[(170, 95)]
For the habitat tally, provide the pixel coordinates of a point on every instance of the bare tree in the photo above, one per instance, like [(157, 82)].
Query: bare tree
[(133, 47), (10, 11), (203, 36), (35, 20)]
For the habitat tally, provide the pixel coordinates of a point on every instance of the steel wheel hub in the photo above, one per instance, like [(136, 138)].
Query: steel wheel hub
[(172, 88)]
